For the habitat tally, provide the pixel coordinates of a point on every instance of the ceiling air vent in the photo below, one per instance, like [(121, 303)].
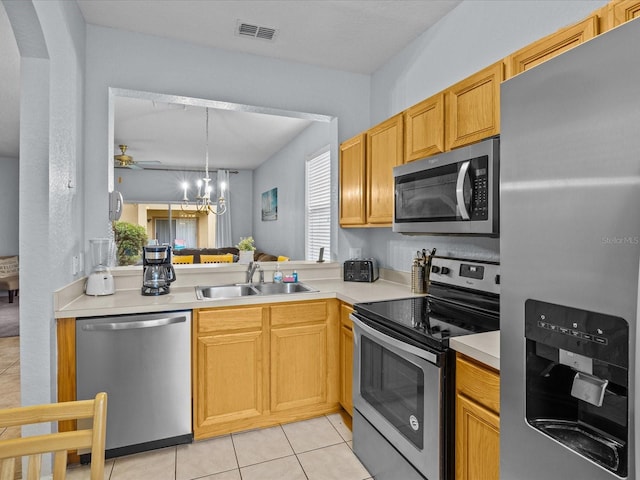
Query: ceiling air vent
[(255, 31)]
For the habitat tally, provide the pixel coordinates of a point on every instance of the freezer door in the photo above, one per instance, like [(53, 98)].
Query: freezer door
[(570, 229)]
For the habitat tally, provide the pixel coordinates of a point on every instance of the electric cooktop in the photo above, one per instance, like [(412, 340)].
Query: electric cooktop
[(456, 305)]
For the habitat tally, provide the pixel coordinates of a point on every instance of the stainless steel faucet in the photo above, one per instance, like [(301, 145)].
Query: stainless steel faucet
[(251, 269)]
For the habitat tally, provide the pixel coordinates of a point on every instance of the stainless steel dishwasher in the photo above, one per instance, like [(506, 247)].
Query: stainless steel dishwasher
[(143, 362)]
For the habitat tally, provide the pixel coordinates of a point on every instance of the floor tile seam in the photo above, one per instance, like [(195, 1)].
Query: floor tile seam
[(235, 453), (323, 447), (336, 429), (266, 461)]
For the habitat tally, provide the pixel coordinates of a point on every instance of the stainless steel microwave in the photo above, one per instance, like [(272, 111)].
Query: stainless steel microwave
[(454, 193)]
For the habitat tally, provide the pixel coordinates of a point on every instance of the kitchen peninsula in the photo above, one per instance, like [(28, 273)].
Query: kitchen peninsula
[(272, 338)]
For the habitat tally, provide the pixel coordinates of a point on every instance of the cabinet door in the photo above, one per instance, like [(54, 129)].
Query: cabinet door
[(551, 46), (473, 107), (624, 10), (384, 151), (223, 361), (477, 441), (346, 359), (352, 181), (424, 128), (298, 366)]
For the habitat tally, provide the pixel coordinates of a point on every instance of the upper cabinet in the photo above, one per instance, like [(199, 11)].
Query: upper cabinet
[(551, 46), (622, 11), (366, 174), (352, 181), (424, 128), (473, 107), (384, 151)]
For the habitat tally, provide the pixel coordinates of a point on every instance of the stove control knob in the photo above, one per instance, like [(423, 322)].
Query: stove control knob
[(445, 270), (435, 269)]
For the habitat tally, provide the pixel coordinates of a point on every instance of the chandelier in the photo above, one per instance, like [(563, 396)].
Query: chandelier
[(202, 201)]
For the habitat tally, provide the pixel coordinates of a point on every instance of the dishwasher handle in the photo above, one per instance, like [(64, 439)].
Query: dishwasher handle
[(133, 325)]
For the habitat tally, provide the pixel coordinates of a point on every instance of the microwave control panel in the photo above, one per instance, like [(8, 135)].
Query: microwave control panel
[(480, 180)]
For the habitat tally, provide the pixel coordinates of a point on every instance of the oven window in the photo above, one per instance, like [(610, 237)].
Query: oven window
[(395, 388)]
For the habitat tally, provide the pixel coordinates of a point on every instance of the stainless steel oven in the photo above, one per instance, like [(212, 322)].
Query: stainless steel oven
[(403, 370), (399, 388)]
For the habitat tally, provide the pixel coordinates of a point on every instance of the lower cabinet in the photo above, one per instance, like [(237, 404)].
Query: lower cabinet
[(260, 365), (346, 358), (477, 421)]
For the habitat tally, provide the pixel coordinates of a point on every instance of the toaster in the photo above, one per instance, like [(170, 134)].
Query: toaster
[(361, 270)]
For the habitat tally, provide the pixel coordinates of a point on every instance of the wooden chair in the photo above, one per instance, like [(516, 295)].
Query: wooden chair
[(182, 259), (57, 443), (227, 258)]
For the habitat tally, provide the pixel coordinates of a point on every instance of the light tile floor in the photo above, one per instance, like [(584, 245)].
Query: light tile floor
[(316, 449)]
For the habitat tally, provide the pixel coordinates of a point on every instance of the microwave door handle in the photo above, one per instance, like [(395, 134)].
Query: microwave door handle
[(462, 175)]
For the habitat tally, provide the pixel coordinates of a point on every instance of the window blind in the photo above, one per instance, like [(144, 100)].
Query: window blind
[(318, 206)]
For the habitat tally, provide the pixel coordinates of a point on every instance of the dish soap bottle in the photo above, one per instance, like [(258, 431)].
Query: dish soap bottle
[(277, 275)]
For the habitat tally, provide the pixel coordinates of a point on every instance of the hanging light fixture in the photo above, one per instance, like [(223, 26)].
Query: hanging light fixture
[(202, 201)]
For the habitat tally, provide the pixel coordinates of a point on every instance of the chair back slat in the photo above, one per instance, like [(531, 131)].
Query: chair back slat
[(59, 443), (35, 464), (7, 468)]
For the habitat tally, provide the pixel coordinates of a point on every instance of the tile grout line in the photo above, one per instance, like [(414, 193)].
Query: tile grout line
[(304, 472)]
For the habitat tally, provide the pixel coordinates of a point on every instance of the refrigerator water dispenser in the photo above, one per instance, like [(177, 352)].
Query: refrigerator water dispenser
[(577, 381)]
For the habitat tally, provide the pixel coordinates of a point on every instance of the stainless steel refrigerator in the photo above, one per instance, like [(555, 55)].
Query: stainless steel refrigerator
[(569, 254)]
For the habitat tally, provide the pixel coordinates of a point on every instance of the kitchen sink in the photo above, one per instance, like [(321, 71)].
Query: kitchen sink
[(244, 290), (225, 291), (282, 288)]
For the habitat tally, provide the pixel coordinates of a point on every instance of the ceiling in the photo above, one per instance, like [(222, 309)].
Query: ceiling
[(351, 35)]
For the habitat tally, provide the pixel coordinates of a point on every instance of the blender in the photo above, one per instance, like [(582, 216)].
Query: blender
[(100, 281)]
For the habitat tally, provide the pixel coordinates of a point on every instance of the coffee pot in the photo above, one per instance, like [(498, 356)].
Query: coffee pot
[(158, 272)]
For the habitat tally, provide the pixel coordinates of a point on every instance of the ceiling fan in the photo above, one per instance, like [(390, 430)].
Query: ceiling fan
[(126, 161)]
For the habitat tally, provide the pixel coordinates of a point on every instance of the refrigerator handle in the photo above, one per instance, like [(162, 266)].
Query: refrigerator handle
[(462, 175), (156, 322)]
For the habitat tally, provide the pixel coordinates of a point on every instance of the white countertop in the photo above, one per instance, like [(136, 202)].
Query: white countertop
[(484, 347), (72, 303)]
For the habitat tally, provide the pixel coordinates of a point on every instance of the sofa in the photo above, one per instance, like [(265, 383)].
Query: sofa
[(258, 255), (9, 276)]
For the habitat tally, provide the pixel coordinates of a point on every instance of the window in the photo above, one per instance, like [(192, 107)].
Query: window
[(318, 205)]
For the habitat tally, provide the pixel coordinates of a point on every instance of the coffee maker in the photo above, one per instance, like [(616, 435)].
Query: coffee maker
[(158, 271), (577, 366)]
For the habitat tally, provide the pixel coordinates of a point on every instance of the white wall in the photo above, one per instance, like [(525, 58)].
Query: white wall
[(9, 205), (474, 35), (50, 37), (286, 171), (142, 62)]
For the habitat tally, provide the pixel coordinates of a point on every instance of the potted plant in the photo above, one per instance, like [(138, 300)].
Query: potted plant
[(129, 239), (246, 248)]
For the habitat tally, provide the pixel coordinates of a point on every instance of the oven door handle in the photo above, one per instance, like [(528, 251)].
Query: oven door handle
[(462, 176), (372, 332)]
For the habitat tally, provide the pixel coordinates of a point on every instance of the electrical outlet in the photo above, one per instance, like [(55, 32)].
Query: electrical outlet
[(75, 265)]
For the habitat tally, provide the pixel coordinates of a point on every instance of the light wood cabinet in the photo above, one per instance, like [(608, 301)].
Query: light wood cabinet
[(229, 351), (384, 151), (299, 355), (261, 365), (552, 46), (424, 128), (352, 181), (624, 10), (473, 107), (477, 420), (346, 358)]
